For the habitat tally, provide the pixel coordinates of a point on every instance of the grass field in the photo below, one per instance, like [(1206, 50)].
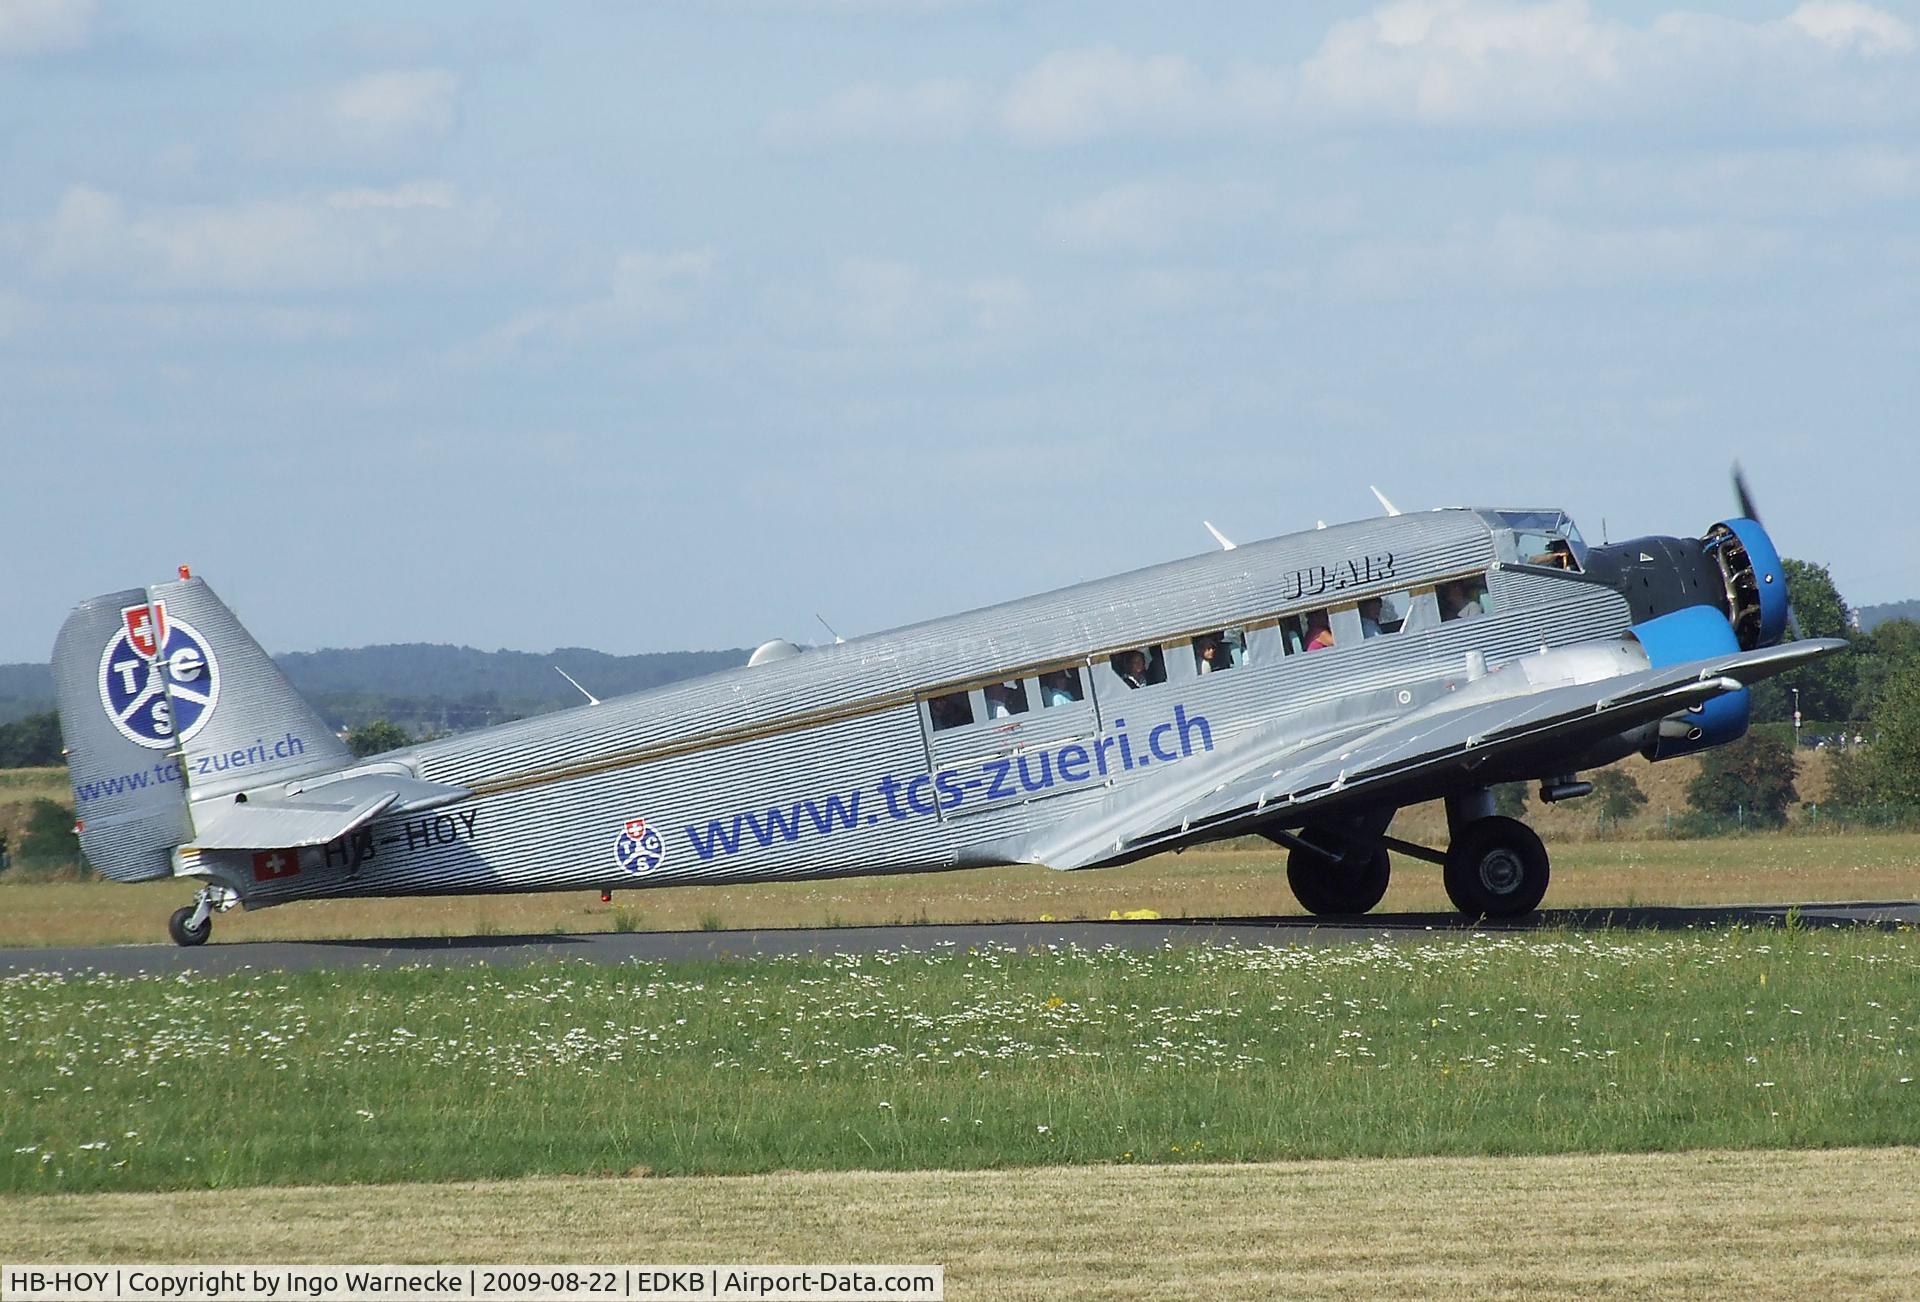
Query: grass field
[(1515, 1044), (1213, 883), (1754, 1225)]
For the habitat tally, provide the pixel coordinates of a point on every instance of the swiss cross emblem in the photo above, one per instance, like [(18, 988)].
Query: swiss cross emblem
[(271, 865), (146, 628), (639, 848)]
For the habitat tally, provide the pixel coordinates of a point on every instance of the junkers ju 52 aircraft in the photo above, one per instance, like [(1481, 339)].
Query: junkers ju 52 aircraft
[(1303, 688)]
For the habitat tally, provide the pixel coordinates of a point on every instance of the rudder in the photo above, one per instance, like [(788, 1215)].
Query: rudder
[(163, 695)]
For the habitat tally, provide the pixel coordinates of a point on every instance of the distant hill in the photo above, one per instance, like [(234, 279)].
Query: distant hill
[(1872, 615), (428, 687), (24, 690)]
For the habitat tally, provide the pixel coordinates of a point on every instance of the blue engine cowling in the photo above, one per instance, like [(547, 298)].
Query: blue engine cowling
[(1694, 633), (1756, 580)]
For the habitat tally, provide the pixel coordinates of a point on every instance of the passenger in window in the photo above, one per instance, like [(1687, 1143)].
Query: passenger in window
[(1006, 699), (953, 711), (1060, 687), (1370, 618), (1319, 633), (1132, 668), (1461, 599), (1209, 655)]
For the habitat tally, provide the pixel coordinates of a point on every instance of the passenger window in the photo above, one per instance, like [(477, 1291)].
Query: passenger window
[(1140, 667), (953, 710), (1380, 616), (1422, 612), (1312, 631), (1006, 699), (1213, 652), (1061, 687), (1463, 598)]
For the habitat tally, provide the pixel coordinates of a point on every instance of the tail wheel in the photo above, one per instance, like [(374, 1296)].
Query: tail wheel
[(180, 927), (1496, 868), (1329, 886)]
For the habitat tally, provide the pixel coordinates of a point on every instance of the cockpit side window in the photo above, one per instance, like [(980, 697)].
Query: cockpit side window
[(1545, 549), (1543, 538)]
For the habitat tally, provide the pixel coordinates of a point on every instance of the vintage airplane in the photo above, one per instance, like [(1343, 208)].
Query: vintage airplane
[(1304, 688)]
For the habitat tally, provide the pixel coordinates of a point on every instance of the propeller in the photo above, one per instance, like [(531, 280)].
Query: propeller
[(1744, 496)]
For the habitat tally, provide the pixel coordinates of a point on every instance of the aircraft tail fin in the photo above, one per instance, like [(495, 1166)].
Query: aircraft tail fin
[(165, 700)]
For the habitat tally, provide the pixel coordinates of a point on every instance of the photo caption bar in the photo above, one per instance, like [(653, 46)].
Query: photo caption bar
[(571, 1283)]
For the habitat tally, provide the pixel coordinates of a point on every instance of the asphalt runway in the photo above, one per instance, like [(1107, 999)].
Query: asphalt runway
[(672, 946)]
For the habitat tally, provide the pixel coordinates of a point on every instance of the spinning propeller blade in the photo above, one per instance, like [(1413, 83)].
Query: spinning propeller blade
[(1744, 496)]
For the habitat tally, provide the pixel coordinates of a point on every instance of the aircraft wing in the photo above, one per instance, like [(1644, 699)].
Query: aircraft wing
[(1269, 774), (314, 816)]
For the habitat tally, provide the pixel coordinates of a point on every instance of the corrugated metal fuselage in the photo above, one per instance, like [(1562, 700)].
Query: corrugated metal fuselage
[(825, 764)]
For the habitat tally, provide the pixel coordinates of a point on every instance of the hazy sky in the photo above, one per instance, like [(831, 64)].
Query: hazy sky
[(659, 325)]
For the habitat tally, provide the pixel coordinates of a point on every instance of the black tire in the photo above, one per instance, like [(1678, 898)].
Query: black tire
[(1330, 887), (1496, 868), (184, 935)]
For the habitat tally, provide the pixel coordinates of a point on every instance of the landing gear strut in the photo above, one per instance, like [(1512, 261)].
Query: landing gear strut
[(193, 924)]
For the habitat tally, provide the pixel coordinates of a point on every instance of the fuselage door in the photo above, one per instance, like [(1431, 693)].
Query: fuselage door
[(996, 743)]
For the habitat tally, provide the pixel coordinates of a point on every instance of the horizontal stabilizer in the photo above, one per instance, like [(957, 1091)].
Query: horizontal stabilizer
[(315, 816)]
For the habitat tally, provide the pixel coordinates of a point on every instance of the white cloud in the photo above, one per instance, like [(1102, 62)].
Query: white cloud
[(1504, 63), (16, 314), (187, 325), (323, 242), (883, 300), (413, 194), (1522, 254), (1845, 24), (30, 27), (1079, 94), (998, 303), (1155, 214), (659, 286), (869, 306), (1449, 60), (646, 290), (858, 8), (942, 108), (1739, 184), (1430, 62), (384, 109)]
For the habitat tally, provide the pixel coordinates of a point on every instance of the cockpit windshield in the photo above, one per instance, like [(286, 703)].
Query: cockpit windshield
[(1548, 538)]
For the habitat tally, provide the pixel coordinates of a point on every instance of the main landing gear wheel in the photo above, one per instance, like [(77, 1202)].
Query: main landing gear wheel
[(1496, 868), (1325, 885), (185, 931)]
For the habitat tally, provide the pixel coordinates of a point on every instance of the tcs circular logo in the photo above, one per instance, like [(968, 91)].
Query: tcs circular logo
[(641, 848), (159, 680)]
